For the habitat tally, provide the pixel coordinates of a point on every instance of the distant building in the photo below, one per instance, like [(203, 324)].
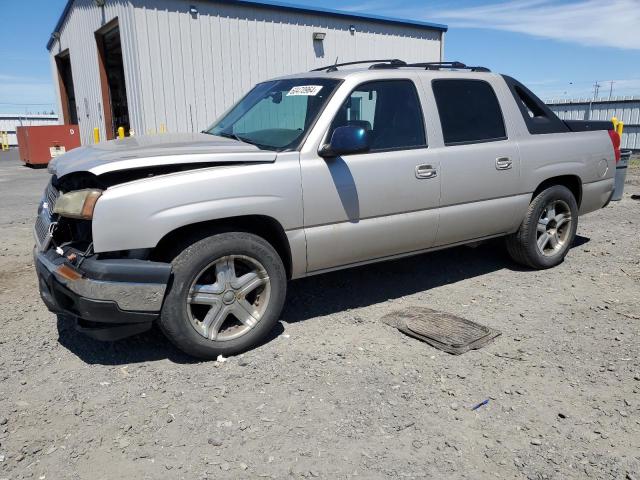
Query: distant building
[(176, 65), (626, 109), (9, 122)]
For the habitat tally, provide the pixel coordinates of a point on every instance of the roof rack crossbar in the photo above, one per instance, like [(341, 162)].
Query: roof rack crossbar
[(334, 67), (438, 65), (391, 64), (452, 65)]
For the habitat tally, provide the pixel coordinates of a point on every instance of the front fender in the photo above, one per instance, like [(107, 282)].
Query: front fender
[(138, 214)]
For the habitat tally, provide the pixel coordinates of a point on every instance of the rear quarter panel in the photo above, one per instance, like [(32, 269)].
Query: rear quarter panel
[(587, 155)]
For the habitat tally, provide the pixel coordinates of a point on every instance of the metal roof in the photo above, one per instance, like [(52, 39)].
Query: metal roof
[(294, 8), (582, 101)]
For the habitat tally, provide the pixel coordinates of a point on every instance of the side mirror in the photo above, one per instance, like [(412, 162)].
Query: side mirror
[(346, 140)]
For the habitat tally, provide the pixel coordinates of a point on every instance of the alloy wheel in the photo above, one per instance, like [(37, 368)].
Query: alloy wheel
[(554, 227), (228, 297)]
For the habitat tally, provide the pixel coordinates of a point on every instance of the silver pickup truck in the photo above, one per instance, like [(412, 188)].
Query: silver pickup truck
[(308, 173)]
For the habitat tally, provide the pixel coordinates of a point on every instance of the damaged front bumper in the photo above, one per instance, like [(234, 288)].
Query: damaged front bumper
[(110, 299)]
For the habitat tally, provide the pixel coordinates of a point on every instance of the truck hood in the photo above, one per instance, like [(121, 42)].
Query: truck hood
[(155, 151)]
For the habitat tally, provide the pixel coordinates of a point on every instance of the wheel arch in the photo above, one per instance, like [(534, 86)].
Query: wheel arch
[(572, 182), (263, 226)]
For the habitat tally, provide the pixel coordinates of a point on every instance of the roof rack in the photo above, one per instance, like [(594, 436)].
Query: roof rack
[(451, 65), (334, 67), (391, 64), (395, 63)]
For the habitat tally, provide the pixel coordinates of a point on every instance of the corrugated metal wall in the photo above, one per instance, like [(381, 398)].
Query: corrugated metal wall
[(77, 35), (194, 67), (183, 70), (9, 122), (626, 109)]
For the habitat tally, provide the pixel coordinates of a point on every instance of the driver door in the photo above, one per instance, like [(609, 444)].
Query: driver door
[(377, 204)]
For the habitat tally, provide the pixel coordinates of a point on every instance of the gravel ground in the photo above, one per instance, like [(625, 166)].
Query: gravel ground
[(335, 393)]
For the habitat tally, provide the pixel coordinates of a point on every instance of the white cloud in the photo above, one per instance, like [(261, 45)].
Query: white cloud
[(554, 90), (14, 78), (365, 6), (610, 23), (590, 23), (632, 83), (22, 93)]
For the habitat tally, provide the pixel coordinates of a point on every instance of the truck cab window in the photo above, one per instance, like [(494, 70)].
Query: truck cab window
[(276, 115), (469, 111), (537, 116), (390, 110)]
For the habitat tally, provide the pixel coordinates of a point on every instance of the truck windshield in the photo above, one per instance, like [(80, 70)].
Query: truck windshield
[(276, 115)]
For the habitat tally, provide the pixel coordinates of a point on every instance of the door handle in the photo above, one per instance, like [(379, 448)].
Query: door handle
[(503, 163), (426, 171)]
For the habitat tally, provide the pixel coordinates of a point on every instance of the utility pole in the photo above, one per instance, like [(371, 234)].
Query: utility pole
[(611, 89), (596, 89)]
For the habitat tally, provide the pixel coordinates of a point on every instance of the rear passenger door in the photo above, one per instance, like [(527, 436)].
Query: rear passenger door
[(480, 165), (379, 203)]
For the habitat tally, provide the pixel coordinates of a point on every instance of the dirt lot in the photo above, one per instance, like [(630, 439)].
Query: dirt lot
[(335, 393)]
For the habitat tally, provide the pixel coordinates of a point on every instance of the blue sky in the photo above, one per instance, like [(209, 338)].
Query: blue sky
[(558, 48)]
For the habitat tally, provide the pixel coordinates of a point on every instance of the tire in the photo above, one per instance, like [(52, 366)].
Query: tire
[(205, 287), (524, 245)]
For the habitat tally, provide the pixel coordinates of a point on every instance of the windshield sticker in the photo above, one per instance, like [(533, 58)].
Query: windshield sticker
[(306, 90)]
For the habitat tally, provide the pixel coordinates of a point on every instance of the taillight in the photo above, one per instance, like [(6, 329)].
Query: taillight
[(615, 140)]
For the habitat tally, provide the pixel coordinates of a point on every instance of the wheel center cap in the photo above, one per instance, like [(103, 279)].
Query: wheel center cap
[(228, 297)]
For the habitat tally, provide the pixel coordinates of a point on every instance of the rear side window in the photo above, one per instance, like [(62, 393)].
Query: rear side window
[(390, 110), (537, 116), (469, 111)]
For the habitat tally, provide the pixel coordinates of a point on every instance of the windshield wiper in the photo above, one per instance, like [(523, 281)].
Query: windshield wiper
[(236, 137), (261, 146)]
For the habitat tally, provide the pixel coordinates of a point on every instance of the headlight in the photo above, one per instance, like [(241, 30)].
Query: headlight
[(77, 204)]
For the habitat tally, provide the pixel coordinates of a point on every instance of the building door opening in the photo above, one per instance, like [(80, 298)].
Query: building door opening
[(67, 93), (114, 90)]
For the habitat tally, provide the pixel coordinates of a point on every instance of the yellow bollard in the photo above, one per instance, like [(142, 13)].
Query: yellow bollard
[(96, 135), (121, 132), (5, 141)]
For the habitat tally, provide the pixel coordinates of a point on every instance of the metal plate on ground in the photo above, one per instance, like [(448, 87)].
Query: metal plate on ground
[(442, 330)]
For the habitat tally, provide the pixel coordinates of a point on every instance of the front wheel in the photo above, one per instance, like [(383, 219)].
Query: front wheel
[(547, 231), (226, 296)]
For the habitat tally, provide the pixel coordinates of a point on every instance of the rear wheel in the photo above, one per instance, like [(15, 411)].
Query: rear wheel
[(547, 231), (227, 294)]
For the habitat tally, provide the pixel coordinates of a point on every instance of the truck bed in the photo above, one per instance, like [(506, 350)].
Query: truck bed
[(587, 125)]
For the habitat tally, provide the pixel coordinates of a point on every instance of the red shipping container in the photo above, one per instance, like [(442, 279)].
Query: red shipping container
[(38, 145)]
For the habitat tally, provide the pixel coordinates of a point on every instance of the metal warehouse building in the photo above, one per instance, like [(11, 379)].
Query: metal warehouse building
[(175, 65), (626, 109)]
